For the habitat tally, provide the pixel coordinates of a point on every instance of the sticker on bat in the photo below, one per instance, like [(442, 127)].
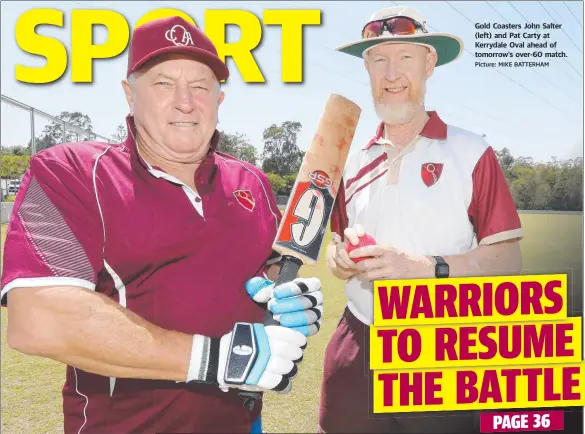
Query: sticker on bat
[(310, 213), (320, 179), (305, 220)]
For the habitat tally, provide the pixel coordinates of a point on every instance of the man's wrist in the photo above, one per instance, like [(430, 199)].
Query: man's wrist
[(441, 267), (204, 361), (428, 267)]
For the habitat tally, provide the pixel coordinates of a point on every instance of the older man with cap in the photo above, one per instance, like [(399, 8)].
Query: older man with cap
[(431, 195), (135, 264)]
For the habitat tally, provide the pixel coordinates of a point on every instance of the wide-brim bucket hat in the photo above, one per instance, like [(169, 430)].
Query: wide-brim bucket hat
[(447, 46)]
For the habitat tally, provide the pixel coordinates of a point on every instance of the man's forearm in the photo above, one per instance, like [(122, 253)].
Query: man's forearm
[(502, 258), (89, 331)]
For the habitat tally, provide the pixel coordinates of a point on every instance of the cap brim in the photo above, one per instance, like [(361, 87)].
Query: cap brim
[(217, 66), (448, 47)]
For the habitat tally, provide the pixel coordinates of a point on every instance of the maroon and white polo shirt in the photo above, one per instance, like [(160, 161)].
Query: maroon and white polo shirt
[(96, 216), (442, 195)]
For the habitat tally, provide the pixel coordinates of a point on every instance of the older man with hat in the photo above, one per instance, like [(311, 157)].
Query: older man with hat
[(135, 264), (431, 195)]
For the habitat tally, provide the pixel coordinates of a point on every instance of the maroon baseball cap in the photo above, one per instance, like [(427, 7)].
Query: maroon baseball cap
[(173, 35)]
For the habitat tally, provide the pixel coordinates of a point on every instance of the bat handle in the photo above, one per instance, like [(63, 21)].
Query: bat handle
[(289, 268)]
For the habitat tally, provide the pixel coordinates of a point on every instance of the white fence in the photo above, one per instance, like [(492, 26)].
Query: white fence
[(22, 125), (27, 123)]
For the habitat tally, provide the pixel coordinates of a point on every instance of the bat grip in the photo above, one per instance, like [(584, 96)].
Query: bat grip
[(289, 268)]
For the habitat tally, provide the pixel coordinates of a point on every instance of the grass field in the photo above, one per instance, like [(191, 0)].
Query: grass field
[(31, 387)]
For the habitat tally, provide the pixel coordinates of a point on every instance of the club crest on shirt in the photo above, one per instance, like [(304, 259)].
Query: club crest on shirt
[(431, 172), (245, 198)]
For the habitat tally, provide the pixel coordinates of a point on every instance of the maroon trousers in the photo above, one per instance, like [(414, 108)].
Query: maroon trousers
[(346, 394)]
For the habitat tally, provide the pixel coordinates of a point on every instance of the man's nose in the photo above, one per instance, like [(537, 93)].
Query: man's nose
[(184, 99), (392, 71)]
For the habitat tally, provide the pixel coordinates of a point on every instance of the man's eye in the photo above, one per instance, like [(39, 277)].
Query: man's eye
[(406, 56), (163, 83), (379, 59)]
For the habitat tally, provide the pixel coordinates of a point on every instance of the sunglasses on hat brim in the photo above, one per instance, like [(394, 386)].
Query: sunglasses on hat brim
[(394, 26)]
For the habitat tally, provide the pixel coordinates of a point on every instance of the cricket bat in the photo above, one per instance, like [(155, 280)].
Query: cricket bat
[(305, 219), (309, 207)]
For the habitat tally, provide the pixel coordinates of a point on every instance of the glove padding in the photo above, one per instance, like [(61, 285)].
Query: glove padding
[(279, 349), (297, 304)]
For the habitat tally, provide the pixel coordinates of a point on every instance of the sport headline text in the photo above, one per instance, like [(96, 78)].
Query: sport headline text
[(82, 51)]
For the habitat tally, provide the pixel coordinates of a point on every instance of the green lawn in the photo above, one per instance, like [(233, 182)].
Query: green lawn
[(31, 387)]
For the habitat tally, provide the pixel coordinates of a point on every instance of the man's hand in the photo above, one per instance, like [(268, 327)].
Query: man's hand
[(338, 261), (278, 351), (297, 305), (390, 263)]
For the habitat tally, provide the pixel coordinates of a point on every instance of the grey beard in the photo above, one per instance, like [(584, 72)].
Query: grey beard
[(401, 113), (397, 114)]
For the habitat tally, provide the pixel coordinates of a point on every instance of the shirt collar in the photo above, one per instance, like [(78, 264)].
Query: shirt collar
[(205, 172), (435, 128)]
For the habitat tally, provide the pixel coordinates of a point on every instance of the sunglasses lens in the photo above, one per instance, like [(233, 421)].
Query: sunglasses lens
[(372, 30), (402, 26), (396, 26)]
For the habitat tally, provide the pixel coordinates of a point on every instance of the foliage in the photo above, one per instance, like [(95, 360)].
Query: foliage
[(282, 185), (278, 184), (281, 154), (15, 150), (237, 145), (290, 182), (13, 166), (78, 128), (120, 134), (555, 186)]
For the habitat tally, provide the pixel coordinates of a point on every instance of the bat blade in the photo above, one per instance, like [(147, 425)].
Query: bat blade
[(309, 207)]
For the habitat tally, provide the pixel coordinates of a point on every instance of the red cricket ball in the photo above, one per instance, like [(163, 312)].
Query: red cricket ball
[(366, 240)]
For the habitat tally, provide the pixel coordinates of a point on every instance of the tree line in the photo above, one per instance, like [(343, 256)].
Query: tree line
[(555, 185)]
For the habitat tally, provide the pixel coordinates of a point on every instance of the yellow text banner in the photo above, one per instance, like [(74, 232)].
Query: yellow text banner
[(476, 345), (470, 300), (479, 388)]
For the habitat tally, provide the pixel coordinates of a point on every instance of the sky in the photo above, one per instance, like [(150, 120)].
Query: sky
[(535, 112)]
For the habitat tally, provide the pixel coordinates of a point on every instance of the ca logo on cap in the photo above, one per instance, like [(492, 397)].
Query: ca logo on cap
[(179, 35)]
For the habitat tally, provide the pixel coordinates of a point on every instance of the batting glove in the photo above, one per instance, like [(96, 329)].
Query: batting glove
[(297, 304), (251, 357)]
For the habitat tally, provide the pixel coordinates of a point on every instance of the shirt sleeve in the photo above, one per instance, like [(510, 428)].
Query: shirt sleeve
[(492, 210), (55, 233)]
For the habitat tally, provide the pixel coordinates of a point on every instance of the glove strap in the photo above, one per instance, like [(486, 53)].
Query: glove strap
[(204, 360)]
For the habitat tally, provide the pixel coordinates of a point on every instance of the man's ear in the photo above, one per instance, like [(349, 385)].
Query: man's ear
[(431, 62), (129, 98)]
